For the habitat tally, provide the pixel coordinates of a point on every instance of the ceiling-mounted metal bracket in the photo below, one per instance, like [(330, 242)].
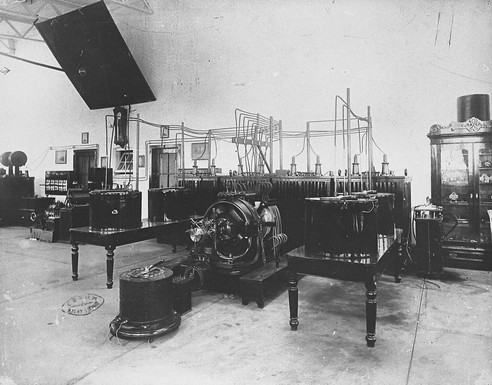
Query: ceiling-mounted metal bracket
[(17, 17)]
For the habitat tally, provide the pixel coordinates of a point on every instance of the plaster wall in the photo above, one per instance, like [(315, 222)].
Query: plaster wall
[(407, 60)]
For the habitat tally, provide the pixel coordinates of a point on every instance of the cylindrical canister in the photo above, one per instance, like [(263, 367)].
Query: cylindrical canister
[(476, 105), (146, 296), (146, 304), (386, 213)]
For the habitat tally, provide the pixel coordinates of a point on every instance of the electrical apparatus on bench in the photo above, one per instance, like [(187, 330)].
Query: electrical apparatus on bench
[(115, 209)]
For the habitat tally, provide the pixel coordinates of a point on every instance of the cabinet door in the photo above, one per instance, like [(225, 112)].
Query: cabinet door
[(484, 174), (457, 193)]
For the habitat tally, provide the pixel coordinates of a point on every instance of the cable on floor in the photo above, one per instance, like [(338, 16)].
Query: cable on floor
[(416, 330)]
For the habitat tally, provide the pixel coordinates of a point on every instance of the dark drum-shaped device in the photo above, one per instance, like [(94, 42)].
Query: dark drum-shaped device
[(473, 106), (169, 204), (428, 242), (386, 213), (341, 225), (115, 209), (146, 304)]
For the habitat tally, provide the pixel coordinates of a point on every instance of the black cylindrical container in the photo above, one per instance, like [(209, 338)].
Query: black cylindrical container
[(115, 209), (341, 226), (428, 242), (476, 105), (146, 304), (166, 204), (386, 213)]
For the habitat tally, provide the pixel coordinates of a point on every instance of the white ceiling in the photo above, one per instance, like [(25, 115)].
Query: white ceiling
[(17, 16)]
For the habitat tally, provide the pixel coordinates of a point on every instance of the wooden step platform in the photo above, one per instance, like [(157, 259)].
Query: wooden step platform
[(267, 278)]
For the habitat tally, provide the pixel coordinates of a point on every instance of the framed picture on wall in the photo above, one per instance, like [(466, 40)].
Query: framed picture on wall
[(199, 151), (85, 137), (141, 161), (60, 156)]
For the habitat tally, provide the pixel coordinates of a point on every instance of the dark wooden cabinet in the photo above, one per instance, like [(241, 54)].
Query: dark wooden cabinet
[(461, 166)]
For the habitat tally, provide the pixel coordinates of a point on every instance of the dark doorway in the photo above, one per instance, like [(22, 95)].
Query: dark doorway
[(164, 171), (83, 161)]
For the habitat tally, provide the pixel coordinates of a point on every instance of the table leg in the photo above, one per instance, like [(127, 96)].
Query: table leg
[(371, 304), (75, 261), (293, 298), (109, 265), (399, 262)]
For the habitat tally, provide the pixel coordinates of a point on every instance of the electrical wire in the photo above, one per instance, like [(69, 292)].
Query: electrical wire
[(303, 146), (312, 150), (41, 159), (416, 331)]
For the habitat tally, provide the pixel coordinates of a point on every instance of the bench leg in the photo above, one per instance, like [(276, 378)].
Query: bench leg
[(250, 291), (75, 261), (109, 265), (260, 299), (399, 262), (293, 300)]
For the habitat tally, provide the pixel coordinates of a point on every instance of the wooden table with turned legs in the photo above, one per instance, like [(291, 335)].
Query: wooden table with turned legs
[(110, 239), (302, 261)]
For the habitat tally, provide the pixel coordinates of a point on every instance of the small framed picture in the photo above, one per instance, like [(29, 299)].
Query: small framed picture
[(61, 157), (85, 137), (199, 151), (104, 162), (141, 161)]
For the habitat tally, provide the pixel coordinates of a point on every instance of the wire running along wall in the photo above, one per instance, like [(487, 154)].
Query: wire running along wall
[(347, 151)]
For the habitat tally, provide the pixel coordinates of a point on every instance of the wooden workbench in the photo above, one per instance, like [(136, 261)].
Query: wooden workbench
[(110, 239)]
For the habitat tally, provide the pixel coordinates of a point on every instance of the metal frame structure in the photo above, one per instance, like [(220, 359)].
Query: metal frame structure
[(344, 133), (17, 16)]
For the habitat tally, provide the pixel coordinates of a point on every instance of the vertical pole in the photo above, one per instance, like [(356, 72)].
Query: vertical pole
[(349, 146), (209, 135), (280, 147), (183, 152), (271, 144), (136, 165), (254, 144), (370, 160), (308, 148)]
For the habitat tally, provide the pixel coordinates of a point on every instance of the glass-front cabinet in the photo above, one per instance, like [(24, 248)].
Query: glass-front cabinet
[(485, 191), (461, 161)]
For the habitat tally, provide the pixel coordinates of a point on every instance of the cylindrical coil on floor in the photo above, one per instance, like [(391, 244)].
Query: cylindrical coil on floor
[(146, 304)]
